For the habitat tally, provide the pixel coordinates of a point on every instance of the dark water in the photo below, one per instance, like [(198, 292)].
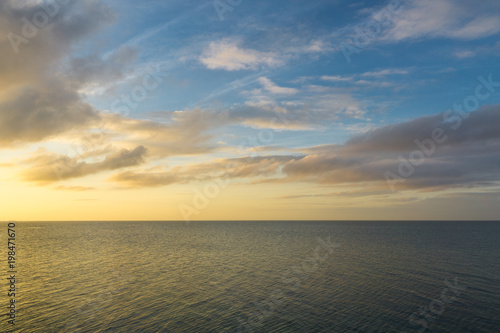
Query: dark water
[(256, 277)]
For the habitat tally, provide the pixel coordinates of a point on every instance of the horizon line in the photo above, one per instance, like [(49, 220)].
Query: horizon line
[(263, 220)]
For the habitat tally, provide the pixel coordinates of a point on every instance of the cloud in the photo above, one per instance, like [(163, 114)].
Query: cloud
[(45, 167), (97, 70), (47, 44), (445, 19), (312, 107), (331, 104), (468, 158), (340, 194), (465, 54), (37, 113), (177, 133), (379, 84), (364, 78), (36, 102), (222, 170), (228, 55), (73, 188), (274, 89), (337, 78), (385, 72), (309, 113), (478, 127), (197, 128), (317, 46), (134, 179)]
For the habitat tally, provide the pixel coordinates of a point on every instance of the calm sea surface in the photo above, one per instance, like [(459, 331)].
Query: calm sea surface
[(255, 277)]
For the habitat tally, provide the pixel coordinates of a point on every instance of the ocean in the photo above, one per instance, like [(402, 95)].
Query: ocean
[(265, 276)]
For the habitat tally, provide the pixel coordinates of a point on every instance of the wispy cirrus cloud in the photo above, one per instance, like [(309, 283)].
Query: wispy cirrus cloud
[(386, 72), (337, 78), (464, 20), (370, 79)]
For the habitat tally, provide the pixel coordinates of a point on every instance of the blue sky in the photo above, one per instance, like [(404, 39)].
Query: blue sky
[(298, 45), (317, 103)]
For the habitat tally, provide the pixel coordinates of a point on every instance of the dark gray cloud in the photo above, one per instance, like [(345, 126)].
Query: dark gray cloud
[(472, 127), (467, 154), (39, 112), (36, 101)]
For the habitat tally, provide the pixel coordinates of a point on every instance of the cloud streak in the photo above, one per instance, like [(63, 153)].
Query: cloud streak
[(469, 158), (45, 167), (464, 20)]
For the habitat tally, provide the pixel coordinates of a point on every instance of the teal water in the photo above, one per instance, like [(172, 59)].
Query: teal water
[(255, 277)]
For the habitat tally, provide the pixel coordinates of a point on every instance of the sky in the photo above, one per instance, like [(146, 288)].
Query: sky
[(249, 110)]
